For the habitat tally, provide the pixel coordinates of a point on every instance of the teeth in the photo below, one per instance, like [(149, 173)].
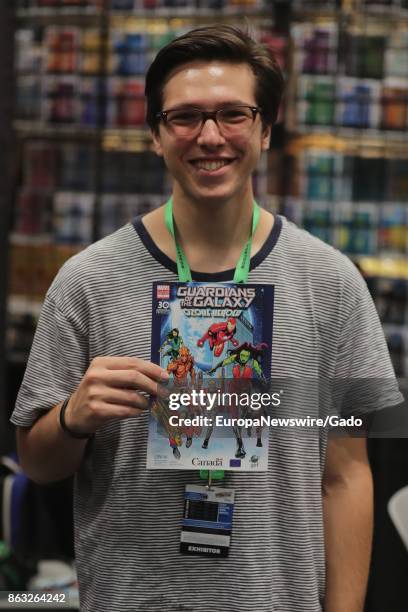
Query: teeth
[(211, 165)]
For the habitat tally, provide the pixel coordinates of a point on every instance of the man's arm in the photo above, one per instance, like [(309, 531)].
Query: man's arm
[(46, 452), (109, 390), (348, 523)]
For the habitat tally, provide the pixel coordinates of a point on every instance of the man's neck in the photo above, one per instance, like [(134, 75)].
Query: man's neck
[(212, 235), (212, 228)]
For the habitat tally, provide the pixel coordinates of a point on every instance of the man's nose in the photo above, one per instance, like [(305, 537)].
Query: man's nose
[(210, 134)]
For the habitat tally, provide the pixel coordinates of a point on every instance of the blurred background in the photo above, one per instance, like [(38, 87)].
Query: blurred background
[(77, 163)]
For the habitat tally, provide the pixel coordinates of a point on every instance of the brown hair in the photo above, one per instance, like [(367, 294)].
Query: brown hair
[(219, 42)]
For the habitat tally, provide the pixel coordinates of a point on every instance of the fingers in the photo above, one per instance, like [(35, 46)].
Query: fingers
[(147, 368), (107, 412), (115, 388), (131, 399), (130, 379)]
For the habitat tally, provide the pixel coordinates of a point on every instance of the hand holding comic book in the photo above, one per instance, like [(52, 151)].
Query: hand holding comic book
[(112, 388)]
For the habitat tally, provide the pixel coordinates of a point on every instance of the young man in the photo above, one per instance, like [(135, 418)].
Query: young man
[(302, 531)]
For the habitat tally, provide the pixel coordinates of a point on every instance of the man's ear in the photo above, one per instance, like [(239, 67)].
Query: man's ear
[(266, 137), (157, 142)]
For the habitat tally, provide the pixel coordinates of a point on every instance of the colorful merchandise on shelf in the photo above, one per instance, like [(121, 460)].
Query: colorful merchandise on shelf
[(394, 105), (358, 103), (316, 101), (60, 4), (393, 228), (396, 54), (34, 266), (346, 200), (33, 215), (28, 52), (61, 105), (89, 103), (116, 210), (278, 44), (318, 220), (397, 341), (390, 298), (76, 167), (73, 218), (137, 173), (128, 103), (28, 98), (40, 165), (62, 49), (315, 48), (356, 228), (321, 173), (129, 51), (364, 56), (315, 5), (398, 180), (369, 178), (122, 5)]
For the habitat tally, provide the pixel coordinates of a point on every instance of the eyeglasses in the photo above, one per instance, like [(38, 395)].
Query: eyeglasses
[(231, 120)]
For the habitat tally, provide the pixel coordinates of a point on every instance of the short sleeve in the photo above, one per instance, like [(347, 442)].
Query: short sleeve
[(364, 375), (57, 362)]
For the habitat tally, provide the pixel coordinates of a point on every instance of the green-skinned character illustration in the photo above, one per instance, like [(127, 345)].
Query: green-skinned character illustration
[(246, 359)]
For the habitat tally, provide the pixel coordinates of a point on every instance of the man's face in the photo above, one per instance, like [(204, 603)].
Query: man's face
[(211, 166)]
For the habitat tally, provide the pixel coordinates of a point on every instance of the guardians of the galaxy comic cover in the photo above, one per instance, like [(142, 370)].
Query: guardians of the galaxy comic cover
[(215, 341)]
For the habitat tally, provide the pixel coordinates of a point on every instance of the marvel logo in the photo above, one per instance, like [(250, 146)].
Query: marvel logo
[(163, 292)]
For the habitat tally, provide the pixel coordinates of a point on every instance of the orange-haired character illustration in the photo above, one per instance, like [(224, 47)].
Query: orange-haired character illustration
[(182, 366)]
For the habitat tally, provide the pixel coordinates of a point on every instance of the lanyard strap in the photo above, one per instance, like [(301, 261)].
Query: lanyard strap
[(183, 269), (184, 274)]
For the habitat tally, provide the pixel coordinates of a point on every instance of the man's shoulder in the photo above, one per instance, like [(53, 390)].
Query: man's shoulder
[(302, 241), (307, 265)]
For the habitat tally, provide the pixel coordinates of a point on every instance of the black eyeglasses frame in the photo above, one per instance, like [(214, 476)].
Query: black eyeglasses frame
[(162, 115)]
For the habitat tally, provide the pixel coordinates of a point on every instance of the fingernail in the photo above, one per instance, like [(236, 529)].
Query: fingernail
[(164, 375)]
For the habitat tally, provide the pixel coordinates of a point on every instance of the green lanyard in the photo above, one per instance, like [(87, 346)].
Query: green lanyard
[(183, 269), (184, 274)]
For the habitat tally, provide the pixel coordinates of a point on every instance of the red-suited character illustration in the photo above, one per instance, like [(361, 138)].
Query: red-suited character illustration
[(218, 334)]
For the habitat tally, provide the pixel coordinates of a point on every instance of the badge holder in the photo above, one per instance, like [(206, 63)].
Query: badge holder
[(207, 520)]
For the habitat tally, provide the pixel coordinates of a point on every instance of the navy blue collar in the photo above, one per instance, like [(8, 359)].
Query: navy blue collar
[(225, 275)]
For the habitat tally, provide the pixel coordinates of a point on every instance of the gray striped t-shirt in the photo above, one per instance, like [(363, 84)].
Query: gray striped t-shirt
[(127, 519)]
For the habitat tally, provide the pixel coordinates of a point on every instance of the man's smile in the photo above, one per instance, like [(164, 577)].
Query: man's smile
[(206, 165)]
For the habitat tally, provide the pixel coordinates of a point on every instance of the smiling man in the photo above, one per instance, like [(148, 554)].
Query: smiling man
[(302, 530)]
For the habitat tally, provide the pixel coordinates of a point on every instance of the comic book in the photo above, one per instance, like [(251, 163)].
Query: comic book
[(215, 341)]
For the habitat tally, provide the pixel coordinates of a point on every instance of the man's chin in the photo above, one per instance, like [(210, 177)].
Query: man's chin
[(213, 197)]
